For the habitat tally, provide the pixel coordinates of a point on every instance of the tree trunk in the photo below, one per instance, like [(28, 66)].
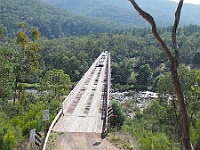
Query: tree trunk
[(15, 90), (197, 147), (173, 66), (183, 111)]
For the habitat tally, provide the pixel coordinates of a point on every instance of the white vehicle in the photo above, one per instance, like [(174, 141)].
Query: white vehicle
[(100, 63), (103, 56)]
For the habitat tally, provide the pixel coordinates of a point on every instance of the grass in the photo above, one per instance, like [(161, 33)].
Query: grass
[(31, 86), (122, 141), (52, 140)]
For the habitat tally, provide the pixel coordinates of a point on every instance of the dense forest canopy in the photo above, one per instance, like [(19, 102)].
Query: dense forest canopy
[(52, 21), (136, 45), (88, 17)]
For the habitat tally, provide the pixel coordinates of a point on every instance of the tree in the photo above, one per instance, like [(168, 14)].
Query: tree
[(1, 33), (6, 73), (118, 117), (122, 71), (196, 57), (25, 59), (174, 62), (196, 89), (9, 141), (56, 82), (145, 74), (6, 70)]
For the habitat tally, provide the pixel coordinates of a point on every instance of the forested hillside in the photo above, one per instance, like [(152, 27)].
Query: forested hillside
[(52, 21), (129, 51), (121, 11), (85, 18), (138, 63)]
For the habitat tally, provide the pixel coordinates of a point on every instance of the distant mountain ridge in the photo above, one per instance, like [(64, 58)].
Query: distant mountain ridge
[(56, 18), (121, 11), (99, 9), (52, 21)]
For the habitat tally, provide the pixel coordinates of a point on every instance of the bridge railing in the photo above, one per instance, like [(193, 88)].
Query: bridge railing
[(107, 99)]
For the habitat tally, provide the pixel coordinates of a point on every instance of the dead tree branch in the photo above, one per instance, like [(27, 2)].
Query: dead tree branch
[(150, 19), (176, 23), (173, 66)]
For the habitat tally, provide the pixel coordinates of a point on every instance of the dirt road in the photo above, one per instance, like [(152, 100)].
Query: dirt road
[(80, 141)]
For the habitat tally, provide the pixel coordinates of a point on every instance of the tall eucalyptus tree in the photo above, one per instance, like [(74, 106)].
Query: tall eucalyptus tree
[(25, 58)]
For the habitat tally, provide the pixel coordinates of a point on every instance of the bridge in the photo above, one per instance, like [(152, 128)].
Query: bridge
[(85, 109)]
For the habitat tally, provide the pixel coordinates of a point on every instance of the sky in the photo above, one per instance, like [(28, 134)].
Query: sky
[(189, 1)]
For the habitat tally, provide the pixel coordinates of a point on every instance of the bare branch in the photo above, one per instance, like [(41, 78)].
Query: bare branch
[(150, 19), (176, 23), (173, 67)]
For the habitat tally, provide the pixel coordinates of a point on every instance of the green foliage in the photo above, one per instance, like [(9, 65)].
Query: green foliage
[(121, 141), (22, 25), (33, 50), (196, 57), (29, 49), (124, 128), (154, 142), (120, 11), (158, 127), (151, 140), (155, 111), (56, 82), (3, 125), (22, 39), (31, 86), (144, 75), (6, 73), (1, 32), (25, 59), (9, 141), (187, 79), (194, 106), (17, 120), (118, 117), (195, 131), (164, 84), (35, 34), (42, 15), (123, 72), (130, 50)]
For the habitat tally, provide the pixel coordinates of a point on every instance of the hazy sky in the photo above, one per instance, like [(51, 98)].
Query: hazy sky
[(189, 1)]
